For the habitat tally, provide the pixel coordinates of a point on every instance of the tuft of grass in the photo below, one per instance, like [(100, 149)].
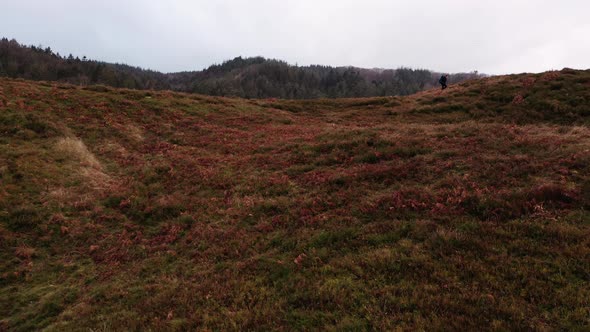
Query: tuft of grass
[(76, 149)]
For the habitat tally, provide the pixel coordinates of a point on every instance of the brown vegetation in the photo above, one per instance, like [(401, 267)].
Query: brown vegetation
[(136, 210)]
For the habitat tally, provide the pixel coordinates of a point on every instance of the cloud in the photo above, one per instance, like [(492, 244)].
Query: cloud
[(453, 35)]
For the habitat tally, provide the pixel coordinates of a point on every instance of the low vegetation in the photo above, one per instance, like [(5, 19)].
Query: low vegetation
[(465, 209)]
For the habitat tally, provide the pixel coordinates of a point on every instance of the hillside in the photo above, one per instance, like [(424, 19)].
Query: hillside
[(240, 77), (465, 209), (263, 78)]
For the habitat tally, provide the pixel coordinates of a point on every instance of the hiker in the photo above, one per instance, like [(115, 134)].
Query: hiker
[(443, 81)]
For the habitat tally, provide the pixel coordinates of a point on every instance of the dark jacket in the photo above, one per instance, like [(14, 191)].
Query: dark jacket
[(443, 80)]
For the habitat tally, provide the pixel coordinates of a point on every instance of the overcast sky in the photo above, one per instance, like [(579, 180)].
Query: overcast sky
[(495, 37)]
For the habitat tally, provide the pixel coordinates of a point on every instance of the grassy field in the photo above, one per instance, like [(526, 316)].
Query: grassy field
[(467, 209)]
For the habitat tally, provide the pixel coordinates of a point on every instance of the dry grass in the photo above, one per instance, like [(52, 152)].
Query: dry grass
[(445, 210), (90, 168), (75, 149)]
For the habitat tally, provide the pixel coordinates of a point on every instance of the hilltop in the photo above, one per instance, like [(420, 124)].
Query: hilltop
[(465, 209), (255, 77)]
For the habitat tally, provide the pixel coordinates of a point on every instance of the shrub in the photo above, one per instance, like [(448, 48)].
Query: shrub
[(551, 193), (410, 151), (585, 194), (98, 88), (23, 218)]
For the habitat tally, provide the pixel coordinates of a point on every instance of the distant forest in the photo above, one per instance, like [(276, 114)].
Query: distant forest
[(255, 77)]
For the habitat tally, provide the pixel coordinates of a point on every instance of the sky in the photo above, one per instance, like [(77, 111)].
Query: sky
[(493, 37)]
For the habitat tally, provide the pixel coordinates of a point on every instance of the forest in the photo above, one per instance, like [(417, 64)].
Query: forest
[(255, 77)]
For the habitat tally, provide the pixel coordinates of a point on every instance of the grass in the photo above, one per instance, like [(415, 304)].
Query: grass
[(140, 210)]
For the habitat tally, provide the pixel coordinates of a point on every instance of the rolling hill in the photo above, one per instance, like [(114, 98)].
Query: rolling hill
[(465, 209)]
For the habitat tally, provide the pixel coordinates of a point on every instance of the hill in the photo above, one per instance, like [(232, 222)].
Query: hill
[(249, 78), (465, 209)]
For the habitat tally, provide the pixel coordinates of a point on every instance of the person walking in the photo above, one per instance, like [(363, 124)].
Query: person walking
[(443, 81)]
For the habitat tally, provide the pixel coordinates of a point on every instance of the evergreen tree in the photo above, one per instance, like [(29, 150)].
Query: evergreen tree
[(255, 77)]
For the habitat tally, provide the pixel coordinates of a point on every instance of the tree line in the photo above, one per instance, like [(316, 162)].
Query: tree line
[(254, 77)]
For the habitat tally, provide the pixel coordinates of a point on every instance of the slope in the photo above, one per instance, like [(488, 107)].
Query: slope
[(143, 210)]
